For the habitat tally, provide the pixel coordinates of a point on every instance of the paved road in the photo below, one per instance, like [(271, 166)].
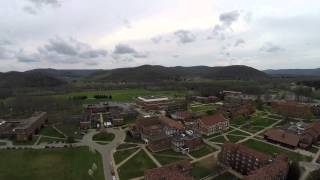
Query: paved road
[(105, 150)]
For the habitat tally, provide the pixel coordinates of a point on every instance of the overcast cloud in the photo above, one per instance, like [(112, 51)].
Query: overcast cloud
[(111, 34)]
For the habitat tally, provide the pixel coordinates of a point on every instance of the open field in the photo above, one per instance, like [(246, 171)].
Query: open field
[(166, 159), (49, 164), (203, 107), (49, 140), (125, 146), (226, 176), (123, 94), (103, 136), (218, 139), (237, 132), (136, 166), (270, 149), (119, 156), (205, 167), (235, 139), (50, 131), (203, 151), (3, 143)]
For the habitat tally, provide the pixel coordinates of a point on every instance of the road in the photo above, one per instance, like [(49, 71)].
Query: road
[(105, 150)]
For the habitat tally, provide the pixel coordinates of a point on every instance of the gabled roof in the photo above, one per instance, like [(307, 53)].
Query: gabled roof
[(212, 120), (280, 135), (174, 171), (170, 122)]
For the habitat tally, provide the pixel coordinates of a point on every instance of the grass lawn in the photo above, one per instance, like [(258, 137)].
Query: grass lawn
[(136, 166), (102, 143), (125, 146), (3, 143), (237, 132), (219, 139), (119, 156), (166, 159), (103, 136), (226, 176), (205, 167), (49, 140), (124, 94), (132, 140), (234, 139), (170, 152), (203, 107), (257, 121), (49, 131), (270, 149), (252, 129), (203, 151), (313, 149), (49, 164), (238, 121)]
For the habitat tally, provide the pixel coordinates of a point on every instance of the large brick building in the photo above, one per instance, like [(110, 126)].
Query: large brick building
[(23, 130), (253, 164), (181, 170), (161, 133), (153, 103), (216, 123), (291, 108)]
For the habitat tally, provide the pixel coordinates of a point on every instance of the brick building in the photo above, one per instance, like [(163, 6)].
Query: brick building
[(253, 164), (181, 170), (282, 137), (216, 123), (23, 130), (291, 108), (153, 103)]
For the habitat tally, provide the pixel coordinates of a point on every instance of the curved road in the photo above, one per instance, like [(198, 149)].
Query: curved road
[(105, 150)]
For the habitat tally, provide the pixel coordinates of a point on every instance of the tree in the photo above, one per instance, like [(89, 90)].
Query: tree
[(294, 171), (314, 175)]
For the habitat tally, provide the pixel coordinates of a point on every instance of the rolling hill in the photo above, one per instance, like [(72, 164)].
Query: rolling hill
[(294, 72), (28, 79), (156, 73)]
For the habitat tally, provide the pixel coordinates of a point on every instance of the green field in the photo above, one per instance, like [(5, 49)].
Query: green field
[(226, 176), (49, 140), (203, 107), (50, 131), (3, 143), (237, 132), (125, 146), (205, 150), (235, 139), (205, 167), (167, 160), (119, 156), (123, 94), (136, 166), (270, 149), (49, 164), (103, 136), (219, 139)]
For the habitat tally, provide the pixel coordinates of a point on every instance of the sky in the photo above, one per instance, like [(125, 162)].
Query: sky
[(106, 34)]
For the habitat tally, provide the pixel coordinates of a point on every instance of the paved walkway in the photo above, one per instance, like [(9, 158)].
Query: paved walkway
[(151, 157)]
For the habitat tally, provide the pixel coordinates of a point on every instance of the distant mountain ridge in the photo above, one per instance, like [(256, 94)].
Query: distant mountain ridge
[(294, 72), (28, 79), (155, 73)]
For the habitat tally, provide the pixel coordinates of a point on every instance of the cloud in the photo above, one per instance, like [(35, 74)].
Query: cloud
[(71, 47), (40, 3), (176, 56), (269, 47), (36, 5), (127, 23), (157, 40), (30, 10), (228, 18), (185, 36), (124, 49), (7, 51), (125, 53), (68, 51), (239, 42)]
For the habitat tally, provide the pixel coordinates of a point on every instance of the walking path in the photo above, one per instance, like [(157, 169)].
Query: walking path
[(151, 157)]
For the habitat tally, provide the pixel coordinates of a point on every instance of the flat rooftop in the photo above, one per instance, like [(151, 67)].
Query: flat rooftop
[(153, 98)]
